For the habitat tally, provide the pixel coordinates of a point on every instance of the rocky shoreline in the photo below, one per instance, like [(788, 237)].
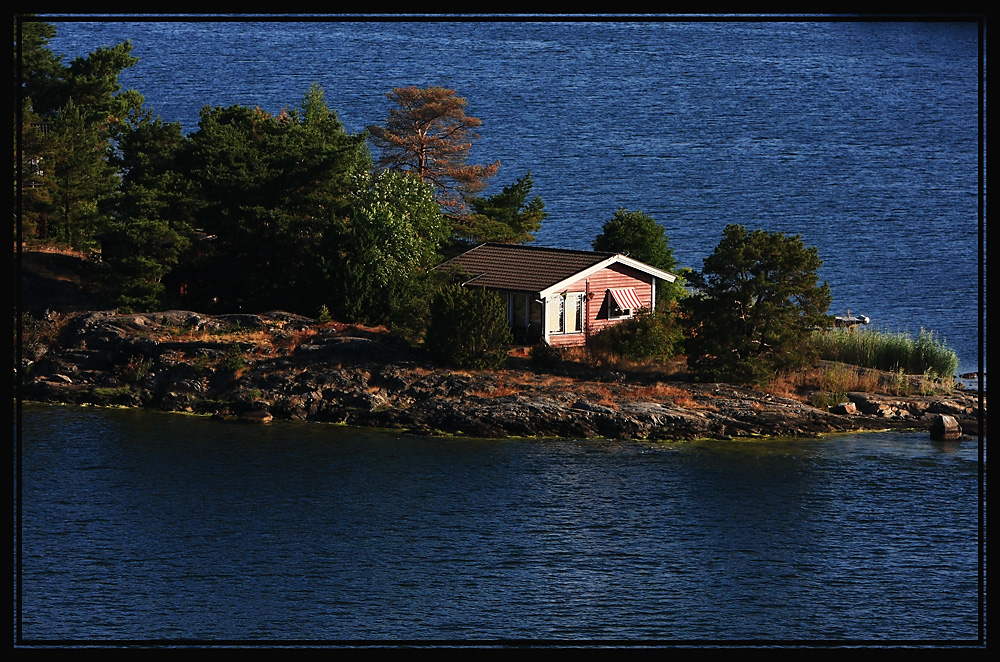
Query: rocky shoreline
[(279, 365)]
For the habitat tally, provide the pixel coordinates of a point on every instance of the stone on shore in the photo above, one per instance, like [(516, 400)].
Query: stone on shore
[(844, 408), (256, 417), (945, 427)]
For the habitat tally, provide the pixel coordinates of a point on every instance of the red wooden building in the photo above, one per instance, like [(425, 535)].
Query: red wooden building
[(559, 296)]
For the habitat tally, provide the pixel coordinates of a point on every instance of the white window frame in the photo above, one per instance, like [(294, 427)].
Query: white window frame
[(561, 300)]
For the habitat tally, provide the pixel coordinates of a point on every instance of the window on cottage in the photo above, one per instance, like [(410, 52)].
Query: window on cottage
[(574, 313), (565, 313), (622, 302), (555, 307)]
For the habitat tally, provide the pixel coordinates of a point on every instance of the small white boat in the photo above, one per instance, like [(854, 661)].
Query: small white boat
[(850, 320)]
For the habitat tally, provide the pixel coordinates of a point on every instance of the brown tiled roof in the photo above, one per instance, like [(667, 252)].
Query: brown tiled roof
[(521, 268)]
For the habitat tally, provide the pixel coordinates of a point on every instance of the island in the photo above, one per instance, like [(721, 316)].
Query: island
[(277, 365)]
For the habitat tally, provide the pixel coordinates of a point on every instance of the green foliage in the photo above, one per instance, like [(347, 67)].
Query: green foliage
[(393, 229), (136, 369), (545, 357), (233, 360), (639, 236), (757, 302), (469, 329), (73, 116), (82, 177), (408, 317), (507, 217), (324, 314), (269, 189), (149, 229), (825, 400), (202, 365), (648, 337), (42, 71), (925, 354)]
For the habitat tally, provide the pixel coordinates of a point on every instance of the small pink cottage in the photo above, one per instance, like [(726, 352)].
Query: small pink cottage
[(559, 296)]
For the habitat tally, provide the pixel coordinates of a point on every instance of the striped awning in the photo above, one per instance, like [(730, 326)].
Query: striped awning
[(626, 298)]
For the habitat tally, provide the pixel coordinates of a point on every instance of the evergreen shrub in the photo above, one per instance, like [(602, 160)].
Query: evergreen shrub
[(468, 329)]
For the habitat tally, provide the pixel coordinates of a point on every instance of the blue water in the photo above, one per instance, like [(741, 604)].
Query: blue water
[(860, 136), (156, 527)]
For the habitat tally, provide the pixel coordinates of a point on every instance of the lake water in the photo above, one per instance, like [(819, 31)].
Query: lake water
[(157, 527), (861, 136)]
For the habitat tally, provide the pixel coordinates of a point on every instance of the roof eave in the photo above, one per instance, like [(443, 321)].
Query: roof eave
[(642, 266), (614, 259)]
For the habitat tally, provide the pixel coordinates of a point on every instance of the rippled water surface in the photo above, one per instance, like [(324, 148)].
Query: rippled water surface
[(140, 525)]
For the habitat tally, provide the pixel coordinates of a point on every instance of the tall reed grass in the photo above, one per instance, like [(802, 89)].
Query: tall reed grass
[(925, 354)]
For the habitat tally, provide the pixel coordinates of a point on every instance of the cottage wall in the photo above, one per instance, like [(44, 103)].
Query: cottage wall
[(613, 277)]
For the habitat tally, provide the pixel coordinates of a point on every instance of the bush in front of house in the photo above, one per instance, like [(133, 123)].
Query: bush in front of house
[(545, 357), (648, 337), (468, 329)]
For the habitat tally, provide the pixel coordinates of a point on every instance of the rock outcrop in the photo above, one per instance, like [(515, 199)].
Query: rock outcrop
[(278, 365)]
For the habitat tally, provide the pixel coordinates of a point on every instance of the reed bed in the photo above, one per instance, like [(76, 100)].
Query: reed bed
[(924, 355)]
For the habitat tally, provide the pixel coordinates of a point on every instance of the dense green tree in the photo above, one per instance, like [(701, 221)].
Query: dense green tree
[(469, 329), (757, 300), (79, 154), (267, 189), (639, 236), (150, 221), (39, 73), (42, 73), (509, 217), (393, 230), (92, 84), (428, 134), (71, 119), (38, 188)]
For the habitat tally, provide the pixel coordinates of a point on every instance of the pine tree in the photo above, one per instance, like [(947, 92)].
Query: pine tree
[(72, 117), (150, 228), (428, 135), (757, 300), (508, 217), (268, 188)]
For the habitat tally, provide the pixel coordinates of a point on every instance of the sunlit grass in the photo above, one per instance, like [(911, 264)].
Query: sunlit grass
[(925, 354)]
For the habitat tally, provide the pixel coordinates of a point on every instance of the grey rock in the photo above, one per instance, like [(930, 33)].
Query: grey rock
[(945, 427), (844, 409)]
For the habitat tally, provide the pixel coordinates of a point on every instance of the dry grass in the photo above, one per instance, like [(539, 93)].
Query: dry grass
[(827, 379), (601, 395), (660, 392), (38, 246), (529, 380), (256, 336), (495, 392), (791, 384), (838, 379)]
